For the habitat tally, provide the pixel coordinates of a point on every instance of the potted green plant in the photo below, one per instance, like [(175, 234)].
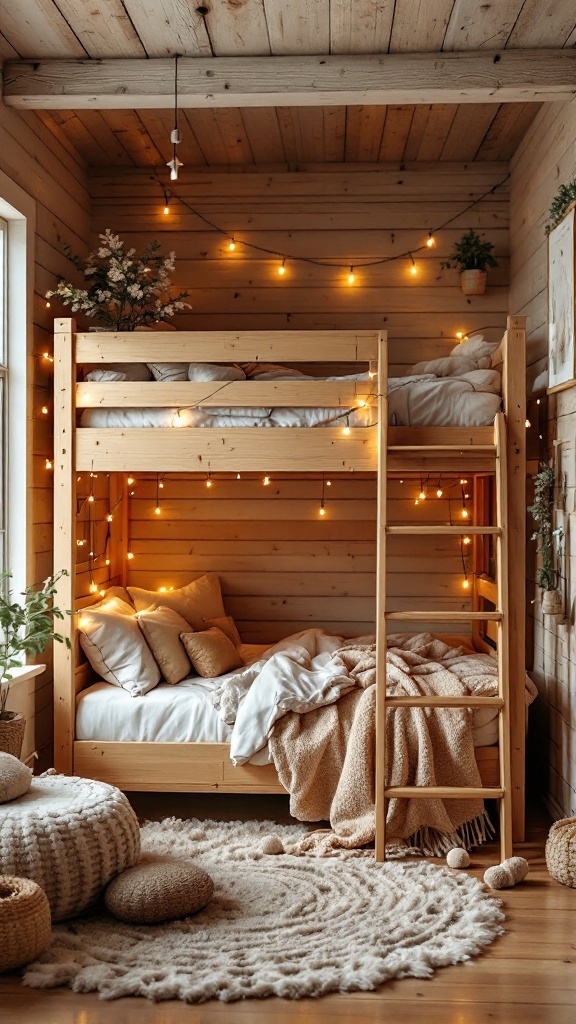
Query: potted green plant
[(26, 628), (125, 291), (541, 511), (470, 255)]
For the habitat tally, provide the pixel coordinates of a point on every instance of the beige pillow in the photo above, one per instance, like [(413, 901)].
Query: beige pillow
[(228, 626), (211, 652), (201, 599), (162, 628), (15, 778), (115, 647)]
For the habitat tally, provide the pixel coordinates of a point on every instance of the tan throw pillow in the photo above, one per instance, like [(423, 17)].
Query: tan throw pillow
[(162, 628), (201, 599), (211, 652), (228, 626), (114, 645)]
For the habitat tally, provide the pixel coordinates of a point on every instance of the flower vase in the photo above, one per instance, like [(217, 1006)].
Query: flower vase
[(552, 604)]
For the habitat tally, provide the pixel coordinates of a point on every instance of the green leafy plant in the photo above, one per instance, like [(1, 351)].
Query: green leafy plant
[(565, 195), (470, 253), (26, 628), (125, 290), (541, 511)]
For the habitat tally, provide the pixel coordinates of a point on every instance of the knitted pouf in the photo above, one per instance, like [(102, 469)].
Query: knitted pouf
[(158, 890), (561, 851), (24, 922), (71, 836)]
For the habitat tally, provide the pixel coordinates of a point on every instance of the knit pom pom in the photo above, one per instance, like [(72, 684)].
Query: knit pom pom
[(458, 858), (271, 844), (507, 874)]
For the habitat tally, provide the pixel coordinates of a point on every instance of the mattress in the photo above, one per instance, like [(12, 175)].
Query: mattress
[(422, 400)]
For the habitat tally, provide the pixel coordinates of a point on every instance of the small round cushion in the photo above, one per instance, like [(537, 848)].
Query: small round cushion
[(24, 922), (15, 778), (158, 890)]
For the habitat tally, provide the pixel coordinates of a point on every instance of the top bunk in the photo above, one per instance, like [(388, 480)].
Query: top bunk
[(190, 401)]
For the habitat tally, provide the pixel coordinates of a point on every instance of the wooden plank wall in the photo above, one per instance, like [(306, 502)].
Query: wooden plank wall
[(283, 567), (349, 213), (55, 176), (546, 159)]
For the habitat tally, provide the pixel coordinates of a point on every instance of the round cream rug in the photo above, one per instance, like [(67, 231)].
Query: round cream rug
[(277, 924)]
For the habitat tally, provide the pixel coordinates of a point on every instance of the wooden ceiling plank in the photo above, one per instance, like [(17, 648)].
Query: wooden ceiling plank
[(419, 25), (94, 123), (507, 131), (36, 28), (233, 132), (66, 126), (416, 133), (395, 79), (206, 128), (169, 27), (159, 124), (264, 136), (131, 133), (360, 26), (312, 132), (395, 134), (7, 51), (548, 24), (468, 131), (302, 28), (334, 119), (478, 24), (104, 28), (238, 28), (364, 128), (436, 131), (291, 132)]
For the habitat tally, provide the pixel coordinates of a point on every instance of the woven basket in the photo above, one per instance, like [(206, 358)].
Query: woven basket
[(24, 922), (12, 726), (561, 851), (473, 282)]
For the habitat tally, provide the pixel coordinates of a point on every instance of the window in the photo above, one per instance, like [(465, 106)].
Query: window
[(3, 388)]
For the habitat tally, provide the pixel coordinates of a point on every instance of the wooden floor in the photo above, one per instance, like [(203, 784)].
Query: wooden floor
[(527, 976)]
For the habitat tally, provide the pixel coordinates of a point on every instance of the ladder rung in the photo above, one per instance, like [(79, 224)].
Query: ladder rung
[(446, 616), (438, 701), (443, 793), (462, 449), (447, 531)]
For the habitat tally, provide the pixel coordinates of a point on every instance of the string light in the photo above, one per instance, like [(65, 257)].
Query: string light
[(48, 357), (416, 501), (322, 509), (459, 335), (351, 276), (80, 543), (465, 513), (44, 410), (130, 481), (373, 369), (48, 304), (266, 480), (466, 540), (93, 587), (231, 245), (166, 210), (109, 517), (208, 480), (282, 268), (346, 428), (431, 240), (91, 499), (527, 423), (465, 583), (48, 464), (328, 483), (413, 268), (157, 510), (130, 556), (102, 593), (107, 562), (238, 476)]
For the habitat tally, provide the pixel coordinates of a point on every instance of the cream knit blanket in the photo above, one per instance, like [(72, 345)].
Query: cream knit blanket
[(325, 758)]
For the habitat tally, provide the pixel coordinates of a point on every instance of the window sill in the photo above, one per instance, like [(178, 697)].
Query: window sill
[(20, 675)]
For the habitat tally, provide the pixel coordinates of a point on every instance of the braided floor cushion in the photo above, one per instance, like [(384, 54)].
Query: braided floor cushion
[(71, 836), (561, 852), (24, 922)]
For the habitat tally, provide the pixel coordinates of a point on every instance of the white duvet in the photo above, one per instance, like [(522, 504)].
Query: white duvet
[(240, 708)]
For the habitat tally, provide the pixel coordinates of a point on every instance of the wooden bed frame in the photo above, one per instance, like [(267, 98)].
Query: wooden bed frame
[(203, 767)]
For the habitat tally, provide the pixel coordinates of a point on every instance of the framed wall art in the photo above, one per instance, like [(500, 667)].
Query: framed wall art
[(561, 293)]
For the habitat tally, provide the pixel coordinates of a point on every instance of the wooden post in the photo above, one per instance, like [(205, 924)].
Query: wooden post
[(64, 538), (381, 643), (514, 391), (503, 578)]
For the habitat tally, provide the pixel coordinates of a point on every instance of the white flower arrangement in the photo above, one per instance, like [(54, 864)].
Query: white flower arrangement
[(125, 291)]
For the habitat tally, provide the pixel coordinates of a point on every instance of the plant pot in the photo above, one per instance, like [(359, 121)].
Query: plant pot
[(552, 603), (473, 282), (12, 726)]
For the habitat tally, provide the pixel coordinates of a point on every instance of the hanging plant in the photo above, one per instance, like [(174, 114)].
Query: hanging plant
[(470, 255), (541, 511), (565, 195)]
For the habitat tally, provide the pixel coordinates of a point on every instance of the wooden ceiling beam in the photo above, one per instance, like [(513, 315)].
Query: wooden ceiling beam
[(513, 76)]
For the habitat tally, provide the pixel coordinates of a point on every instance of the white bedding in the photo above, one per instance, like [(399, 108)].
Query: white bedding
[(291, 675)]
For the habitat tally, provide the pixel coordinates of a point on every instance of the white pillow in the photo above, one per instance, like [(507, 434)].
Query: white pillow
[(105, 375), (169, 371), (446, 366), (475, 348), (211, 371), (132, 371), (115, 647)]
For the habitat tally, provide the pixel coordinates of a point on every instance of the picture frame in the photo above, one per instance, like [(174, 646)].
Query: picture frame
[(561, 304)]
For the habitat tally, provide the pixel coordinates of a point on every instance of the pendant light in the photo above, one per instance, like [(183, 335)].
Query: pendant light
[(174, 164)]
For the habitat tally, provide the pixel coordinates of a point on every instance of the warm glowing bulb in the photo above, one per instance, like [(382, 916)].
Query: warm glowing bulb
[(439, 492), (282, 269), (238, 476), (107, 562), (109, 517), (231, 245), (178, 420), (466, 540), (459, 335), (351, 276), (129, 556), (416, 502), (160, 486), (130, 481), (413, 269), (462, 482), (328, 483), (166, 211), (91, 498), (361, 403), (45, 410), (47, 305), (266, 480), (48, 464), (422, 495), (537, 401), (157, 510), (346, 430), (208, 483), (161, 590), (80, 543), (48, 357), (527, 423), (322, 510), (102, 593), (465, 584), (431, 241), (93, 588), (465, 513)]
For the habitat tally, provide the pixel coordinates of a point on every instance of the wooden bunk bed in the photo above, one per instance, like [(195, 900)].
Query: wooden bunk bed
[(498, 451)]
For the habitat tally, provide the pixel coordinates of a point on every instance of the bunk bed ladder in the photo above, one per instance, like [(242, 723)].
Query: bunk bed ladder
[(502, 793)]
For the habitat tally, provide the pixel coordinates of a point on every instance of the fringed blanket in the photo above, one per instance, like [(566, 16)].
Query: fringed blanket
[(325, 758)]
